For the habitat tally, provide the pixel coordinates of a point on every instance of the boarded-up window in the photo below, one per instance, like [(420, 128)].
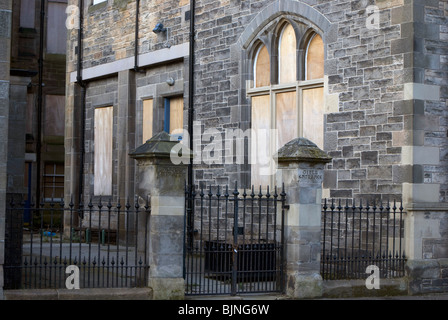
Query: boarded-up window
[(287, 55), (147, 119), (262, 67), (260, 140), (176, 115), (287, 120), (315, 58), (173, 121), (54, 115), (27, 13), (281, 113), (103, 151), (312, 104), (56, 30)]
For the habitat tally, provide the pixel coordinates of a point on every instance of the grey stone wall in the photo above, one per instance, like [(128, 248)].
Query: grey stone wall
[(363, 72), (373, 107), (109, 32), (427, 276), (385, 91), (432, 65), (126, 93), (100, 93)]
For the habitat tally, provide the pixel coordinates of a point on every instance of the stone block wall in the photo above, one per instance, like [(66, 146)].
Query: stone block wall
[(382, 102), (385, 90), (109, 34), (101, 93), (427, 276), (431, 61)]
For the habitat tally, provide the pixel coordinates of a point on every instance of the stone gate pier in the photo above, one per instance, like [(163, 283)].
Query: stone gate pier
[(300, 167)]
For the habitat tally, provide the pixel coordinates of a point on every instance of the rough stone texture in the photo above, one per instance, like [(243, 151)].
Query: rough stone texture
[(386, 98), (302, 149), (301, 164), (370, 77), (164, 183), (427, 276), (303, 286)]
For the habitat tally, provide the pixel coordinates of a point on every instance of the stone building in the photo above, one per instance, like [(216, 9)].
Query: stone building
[(365, 80), (32, 111), (37, 100)]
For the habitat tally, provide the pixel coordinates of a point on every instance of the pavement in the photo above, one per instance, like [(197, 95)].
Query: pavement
[(270, 297)]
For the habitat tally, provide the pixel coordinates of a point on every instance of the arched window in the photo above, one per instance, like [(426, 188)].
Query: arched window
[(262, 67), (315, 58), (290, 108), (287, 53)]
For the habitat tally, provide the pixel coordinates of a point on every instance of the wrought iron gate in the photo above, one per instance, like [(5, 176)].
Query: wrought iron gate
[(233, 241)]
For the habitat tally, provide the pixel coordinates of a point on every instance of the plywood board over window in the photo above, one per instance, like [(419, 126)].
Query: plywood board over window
[(54, 124), (103, 151), (56, 29), (313, 127), (260, 140), (290, 108), (27, 13), (287, 55), (287, 122), (176, 115), (315, 58), (262, 68)]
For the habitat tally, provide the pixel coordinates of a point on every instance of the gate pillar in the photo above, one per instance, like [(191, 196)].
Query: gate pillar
[(300, 167), (164, 183)]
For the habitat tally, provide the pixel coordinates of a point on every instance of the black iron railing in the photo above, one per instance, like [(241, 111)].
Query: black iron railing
[(234, 241), (105, 243), (355, 237)]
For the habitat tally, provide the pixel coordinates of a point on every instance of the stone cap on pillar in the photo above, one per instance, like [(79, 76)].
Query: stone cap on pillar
[(161, 146), (301, 150)]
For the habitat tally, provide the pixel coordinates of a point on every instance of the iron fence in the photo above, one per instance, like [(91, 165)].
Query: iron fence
[(234, 241), (354, 237), (106, 243)]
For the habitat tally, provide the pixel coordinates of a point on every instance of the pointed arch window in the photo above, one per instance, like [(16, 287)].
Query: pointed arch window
[(291, 107), (287, 52), (315, 58), (262, 67)]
